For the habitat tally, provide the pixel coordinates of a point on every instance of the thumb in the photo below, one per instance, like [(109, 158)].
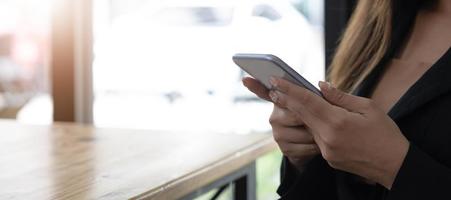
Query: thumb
[(342, 99)]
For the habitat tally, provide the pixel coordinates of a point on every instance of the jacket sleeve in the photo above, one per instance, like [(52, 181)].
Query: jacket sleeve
[(316, 181), (421, 177), (288, 175)]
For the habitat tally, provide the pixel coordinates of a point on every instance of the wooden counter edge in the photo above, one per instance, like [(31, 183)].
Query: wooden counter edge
[(224, 166)]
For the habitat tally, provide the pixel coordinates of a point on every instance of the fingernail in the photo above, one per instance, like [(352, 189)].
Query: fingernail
[(274, 97), (325, 85), (273, 81), (244, 82)]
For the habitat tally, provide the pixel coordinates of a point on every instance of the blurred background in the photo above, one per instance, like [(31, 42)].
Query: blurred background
[(159, 64), (168, 60), (24, 59)]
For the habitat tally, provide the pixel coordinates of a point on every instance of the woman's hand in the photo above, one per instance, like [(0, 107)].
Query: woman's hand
[(257, 88), (292, 137), (289, 131), (353, 133)]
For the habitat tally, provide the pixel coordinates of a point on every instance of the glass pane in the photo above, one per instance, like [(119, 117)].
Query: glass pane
[(24, 57), (167, 64)]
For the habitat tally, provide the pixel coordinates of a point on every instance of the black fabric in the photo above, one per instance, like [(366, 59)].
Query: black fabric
[(423, 114)]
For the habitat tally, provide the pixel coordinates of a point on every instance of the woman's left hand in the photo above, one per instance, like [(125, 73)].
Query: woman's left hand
[(353, 133)]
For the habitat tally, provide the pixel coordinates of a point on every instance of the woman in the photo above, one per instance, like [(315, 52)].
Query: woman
[(383, 130)]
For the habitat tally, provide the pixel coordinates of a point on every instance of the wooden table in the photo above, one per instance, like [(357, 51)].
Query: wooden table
[(67, 161)]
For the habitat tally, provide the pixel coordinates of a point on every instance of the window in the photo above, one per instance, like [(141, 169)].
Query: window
[(167, 64)]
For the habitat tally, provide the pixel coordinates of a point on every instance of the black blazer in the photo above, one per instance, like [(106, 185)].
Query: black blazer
[(424, 116)]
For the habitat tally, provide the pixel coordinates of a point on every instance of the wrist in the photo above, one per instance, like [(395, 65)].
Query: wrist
[(299, 163), (393, 164)]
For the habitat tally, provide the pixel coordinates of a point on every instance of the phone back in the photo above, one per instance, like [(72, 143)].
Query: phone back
[(265, 70), (263, 66)]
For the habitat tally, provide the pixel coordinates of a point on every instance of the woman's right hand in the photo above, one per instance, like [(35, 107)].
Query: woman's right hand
[(292, 137)]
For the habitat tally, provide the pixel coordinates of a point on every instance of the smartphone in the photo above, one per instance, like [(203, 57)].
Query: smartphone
[(263, 66)]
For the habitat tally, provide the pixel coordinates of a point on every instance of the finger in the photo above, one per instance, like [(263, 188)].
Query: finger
[(295, 107), (299, 150), (297, 135), (301, 98), (256, 87), (315, 119), (285, 117), (318, 138), (347, 101)]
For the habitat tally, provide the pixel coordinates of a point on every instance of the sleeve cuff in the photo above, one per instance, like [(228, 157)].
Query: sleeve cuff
[(421, 177), (288, 175), (316, 179)]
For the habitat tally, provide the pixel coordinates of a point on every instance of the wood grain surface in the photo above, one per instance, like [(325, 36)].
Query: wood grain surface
[(68, 161)]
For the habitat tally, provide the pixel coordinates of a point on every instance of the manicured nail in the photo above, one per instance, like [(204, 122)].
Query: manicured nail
[(325, 85), (274, 97), (273, 81), (244, 82)]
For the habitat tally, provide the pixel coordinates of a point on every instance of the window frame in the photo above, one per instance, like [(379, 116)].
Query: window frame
[(71, 61)]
